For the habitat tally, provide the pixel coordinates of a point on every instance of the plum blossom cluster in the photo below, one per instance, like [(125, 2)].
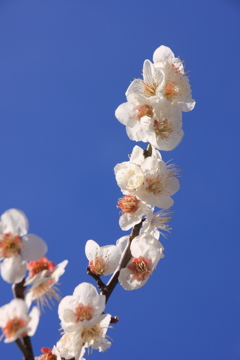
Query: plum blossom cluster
[(152, 114), (153, 111), (23, 263)]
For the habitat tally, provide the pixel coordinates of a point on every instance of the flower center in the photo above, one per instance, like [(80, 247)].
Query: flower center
[(149, 89), (92, 333), (162, 128), (83, 312), (140, 268), (98, 265), (128, 204), (171, 90), (10, 245), (47, 354), (154, 185), (38, 266), (13, 326), (143, 110)]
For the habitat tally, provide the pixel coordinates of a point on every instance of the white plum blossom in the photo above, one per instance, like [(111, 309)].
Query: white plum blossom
[(132, 211), (176, 87), (160, 183), (16, 248), (164, 131), (16, 322), (146, 252), (131, 112), (156, 223), (157, 123), (129, 176), (81, 310), (69, 347), (43, 275), (95, 337), (151, 87), (102, 260)]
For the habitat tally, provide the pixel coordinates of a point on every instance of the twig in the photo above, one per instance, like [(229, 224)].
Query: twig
[(21, 347), (18, 290), (107, 291)]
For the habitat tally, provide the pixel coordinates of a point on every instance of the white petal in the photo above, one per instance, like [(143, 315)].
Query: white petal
[(13, 269), (122, 243), (127, 221), (111, 254), (122, 112), (59, 270), (163, 53), (92, 249), (137, 155), (34, 247), (85, 292), (33, 323), (15, 222), (164, 202)]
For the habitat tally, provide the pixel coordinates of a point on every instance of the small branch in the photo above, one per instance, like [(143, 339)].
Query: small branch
[(107, 291), (28, 347), (21, 347), (18, 290), (100, 283)]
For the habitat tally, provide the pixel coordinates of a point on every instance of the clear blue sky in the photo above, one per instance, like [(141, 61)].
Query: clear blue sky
[(64, 69)]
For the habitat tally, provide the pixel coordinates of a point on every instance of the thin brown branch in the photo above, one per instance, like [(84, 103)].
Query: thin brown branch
[(126, 258), (22, 348), (98, 280), (18, 290), (28, 347)]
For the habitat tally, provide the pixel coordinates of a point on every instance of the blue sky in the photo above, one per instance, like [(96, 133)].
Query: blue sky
[(64, 69)]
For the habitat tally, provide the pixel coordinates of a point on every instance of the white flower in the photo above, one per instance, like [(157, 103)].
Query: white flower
[(151, 87), (83, 309), (69, 347), (160, 183), (14, 225), (129, 176), (132, 211), (131, 112), (155, 221), (155, 122), (164, 131), (43, 276), (15, 321), (176, 88), (102, 260), (95, 336), (146, 252)]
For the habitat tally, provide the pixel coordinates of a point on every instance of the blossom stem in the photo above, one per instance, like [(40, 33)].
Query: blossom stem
[(18, 290), (28, 347), (108, 289), (97, 278), (25, 348), (21, 347)]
